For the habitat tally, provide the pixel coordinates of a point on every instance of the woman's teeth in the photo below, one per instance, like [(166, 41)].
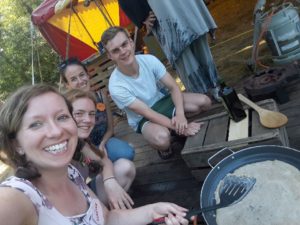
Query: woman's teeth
[(57, 148)]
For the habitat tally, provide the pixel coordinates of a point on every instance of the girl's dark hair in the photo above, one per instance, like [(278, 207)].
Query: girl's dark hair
[(12, 112), (63, 66)]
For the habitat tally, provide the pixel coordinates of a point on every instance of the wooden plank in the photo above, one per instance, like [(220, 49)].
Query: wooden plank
[(196, 155), (201, 174), (102, 77), (184, 192), (239, 130), (217, 130), (173, 171)]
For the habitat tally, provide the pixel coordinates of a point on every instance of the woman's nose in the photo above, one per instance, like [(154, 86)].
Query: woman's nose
[(54, 130), (88, 118)]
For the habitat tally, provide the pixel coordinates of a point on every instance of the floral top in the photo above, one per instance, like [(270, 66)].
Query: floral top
[(48, 214)]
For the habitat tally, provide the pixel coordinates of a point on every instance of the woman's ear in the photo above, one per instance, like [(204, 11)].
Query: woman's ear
[(18, 147), (20, 151)]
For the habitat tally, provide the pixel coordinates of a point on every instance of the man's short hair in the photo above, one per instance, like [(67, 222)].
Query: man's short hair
[(111, 32)]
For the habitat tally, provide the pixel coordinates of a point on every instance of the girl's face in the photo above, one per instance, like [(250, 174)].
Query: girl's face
[(77, 77), (48, 133), (84, 112)]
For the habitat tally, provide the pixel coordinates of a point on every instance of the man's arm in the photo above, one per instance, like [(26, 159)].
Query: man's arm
[(179, 121)]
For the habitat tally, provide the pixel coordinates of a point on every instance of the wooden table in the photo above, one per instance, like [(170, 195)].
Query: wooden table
[(219, 131)]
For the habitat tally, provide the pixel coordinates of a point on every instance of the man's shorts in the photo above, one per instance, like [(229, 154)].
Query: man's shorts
[(164, 106)]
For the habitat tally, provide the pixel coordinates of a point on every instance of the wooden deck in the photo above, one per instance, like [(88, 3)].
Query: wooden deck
[(171, 180)]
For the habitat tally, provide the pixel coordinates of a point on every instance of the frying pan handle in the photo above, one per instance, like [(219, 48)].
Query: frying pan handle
[(217, 154)]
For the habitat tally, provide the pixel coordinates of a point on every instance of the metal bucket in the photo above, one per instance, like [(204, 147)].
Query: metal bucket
[(283, 33)]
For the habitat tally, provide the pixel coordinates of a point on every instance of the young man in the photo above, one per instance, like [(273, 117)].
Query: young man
[(133, 87)]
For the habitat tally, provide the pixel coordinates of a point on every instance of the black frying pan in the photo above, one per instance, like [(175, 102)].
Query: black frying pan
[(239, 159)]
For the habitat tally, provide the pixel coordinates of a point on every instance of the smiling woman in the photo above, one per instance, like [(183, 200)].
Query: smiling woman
[(111, 183), (39, 136), (22, 121)]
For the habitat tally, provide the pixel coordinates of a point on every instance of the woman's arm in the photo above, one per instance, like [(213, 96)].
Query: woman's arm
[(16, 208), (172, 213), (117, 196), (110, 128)]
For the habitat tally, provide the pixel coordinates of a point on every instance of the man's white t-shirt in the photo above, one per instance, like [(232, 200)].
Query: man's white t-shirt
[(124, 89)]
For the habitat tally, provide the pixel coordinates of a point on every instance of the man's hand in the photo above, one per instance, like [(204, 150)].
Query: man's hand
[(117, 196), (149, 22), (180, 124), (192, 129)]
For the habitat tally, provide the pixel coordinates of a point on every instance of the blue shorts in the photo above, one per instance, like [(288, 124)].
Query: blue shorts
[(118, 149)]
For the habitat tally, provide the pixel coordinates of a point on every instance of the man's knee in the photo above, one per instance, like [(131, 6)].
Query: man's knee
[(206, 104), (162, 139)]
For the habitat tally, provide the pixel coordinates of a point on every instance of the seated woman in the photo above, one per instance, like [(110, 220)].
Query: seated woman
[(39, 138), (116, 178), (74, 76)]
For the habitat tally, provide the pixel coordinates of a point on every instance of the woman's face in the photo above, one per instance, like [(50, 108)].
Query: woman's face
[(84, 112), (77, 78), (48, 133)]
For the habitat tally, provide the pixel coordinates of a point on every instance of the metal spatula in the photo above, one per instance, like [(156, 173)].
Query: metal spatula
[(232, 190)]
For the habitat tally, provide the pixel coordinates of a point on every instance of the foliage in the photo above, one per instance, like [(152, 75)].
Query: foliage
[(16, 48)]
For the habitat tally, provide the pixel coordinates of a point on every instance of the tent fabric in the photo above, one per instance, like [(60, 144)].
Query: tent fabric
[(43, 12), (79, 27)]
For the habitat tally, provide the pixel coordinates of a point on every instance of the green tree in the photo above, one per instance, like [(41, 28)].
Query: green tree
[(16, 48)]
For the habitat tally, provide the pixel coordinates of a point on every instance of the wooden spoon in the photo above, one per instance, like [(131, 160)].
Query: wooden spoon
[(267, 118)]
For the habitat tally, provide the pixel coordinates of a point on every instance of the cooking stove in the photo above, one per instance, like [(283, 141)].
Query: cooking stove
[(272, 83)]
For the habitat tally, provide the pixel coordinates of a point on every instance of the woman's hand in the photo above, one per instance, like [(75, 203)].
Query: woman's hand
[(117, 196), (149, 22), (172, 213)]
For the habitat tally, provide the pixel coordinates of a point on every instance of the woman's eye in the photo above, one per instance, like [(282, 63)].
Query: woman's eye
[(78, 114), (73, 79), (92, 114), (36, 124), (63, 117)]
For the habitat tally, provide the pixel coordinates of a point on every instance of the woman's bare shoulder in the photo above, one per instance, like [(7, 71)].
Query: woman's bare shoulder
[(16, 208)]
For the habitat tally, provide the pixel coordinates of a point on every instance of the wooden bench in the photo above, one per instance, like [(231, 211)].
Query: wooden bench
[(218, 132)]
